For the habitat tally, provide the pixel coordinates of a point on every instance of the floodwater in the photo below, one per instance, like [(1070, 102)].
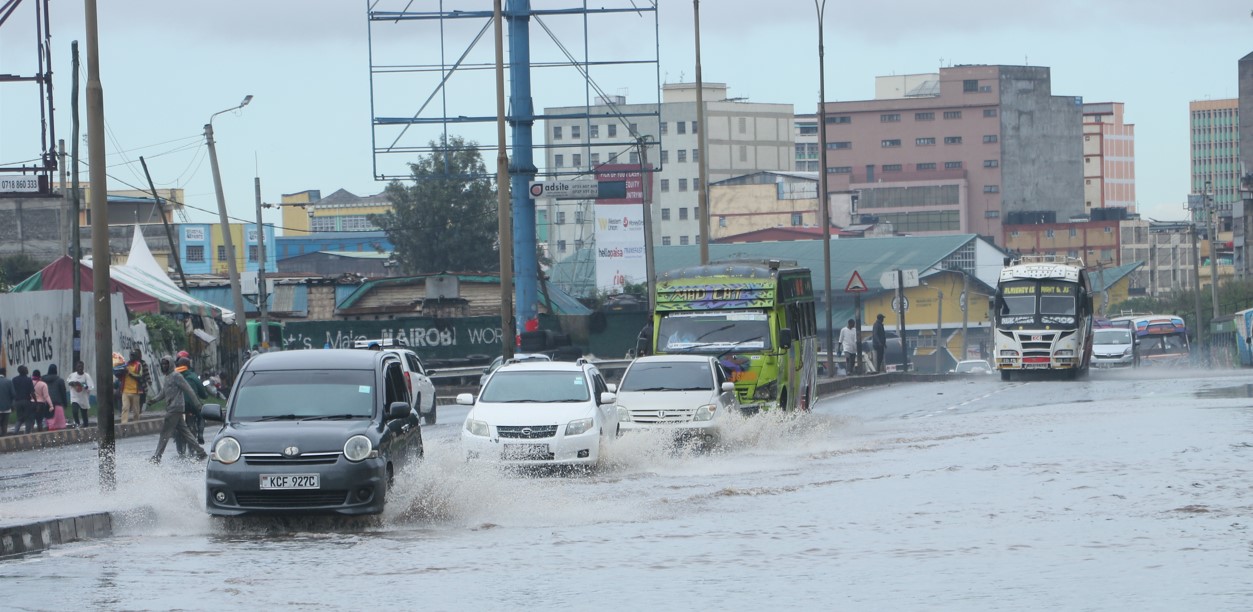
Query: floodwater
[(1127, 491)]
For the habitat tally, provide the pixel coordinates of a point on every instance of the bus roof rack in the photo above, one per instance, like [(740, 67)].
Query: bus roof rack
[(1054, 258)]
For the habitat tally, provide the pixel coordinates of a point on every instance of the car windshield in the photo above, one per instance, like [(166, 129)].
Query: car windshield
[(532, 386), (1111, 336), (289, 394), (714, 333), (973, 366), (668, 376)]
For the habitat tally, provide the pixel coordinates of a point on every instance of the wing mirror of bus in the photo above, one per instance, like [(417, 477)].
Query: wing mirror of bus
[(785, 338)]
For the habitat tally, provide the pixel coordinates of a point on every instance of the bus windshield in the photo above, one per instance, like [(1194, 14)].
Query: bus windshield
[(1038, 302), (714, 332)]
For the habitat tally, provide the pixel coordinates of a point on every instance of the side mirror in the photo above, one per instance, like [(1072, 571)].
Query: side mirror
[(612, 387), (430, 373), (465, 399), (398, 410), (728, 386), (211, 412), (785, 338), (608, 397)]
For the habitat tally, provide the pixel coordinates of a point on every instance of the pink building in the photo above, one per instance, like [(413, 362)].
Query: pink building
[(1109, 158)]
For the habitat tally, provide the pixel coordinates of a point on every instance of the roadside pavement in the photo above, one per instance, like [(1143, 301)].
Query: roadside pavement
[(148, 423)]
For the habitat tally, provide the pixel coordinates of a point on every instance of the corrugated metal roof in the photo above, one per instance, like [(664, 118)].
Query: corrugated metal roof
[(1104, 279), (286, 298), (359, 254)]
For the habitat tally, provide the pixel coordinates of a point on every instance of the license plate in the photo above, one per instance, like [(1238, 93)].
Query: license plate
[(290, 481), (525, 451)]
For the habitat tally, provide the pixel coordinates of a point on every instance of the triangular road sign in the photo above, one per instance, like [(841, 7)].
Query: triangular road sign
[(855, 284)]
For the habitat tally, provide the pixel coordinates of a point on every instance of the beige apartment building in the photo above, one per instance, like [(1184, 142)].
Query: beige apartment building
[(1109, 158)]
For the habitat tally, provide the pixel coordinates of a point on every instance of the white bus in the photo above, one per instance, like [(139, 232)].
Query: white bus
[(1042, 315)]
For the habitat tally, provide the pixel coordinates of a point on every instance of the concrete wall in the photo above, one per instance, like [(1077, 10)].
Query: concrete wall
[(1042, 145), (30, 226)]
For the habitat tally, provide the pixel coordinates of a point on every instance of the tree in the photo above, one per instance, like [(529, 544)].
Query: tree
[(16, 268), (445, 220)]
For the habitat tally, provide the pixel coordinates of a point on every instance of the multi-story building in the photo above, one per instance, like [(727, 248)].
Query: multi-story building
[(1109, 158), (1214, 126), (1095, 242), (964, 150), (339, 222), (807, 152), (742, 137), (202, 249)]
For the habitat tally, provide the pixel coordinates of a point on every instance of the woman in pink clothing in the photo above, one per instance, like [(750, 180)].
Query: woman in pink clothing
[(47, 417)]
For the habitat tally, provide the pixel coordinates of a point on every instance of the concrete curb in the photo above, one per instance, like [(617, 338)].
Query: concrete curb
[(20, 539), (148, 424), (847, 383)]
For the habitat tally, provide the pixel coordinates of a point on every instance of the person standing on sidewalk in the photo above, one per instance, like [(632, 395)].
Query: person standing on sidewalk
[(133, 387), (6, 402), (848, 346), (174, 390), (23, 394), (60, 398), (879, 339), (81, 386)]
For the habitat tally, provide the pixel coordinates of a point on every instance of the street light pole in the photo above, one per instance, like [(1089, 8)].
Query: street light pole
[(1213, 247), (824, 209), (702, 199), (231, 268)]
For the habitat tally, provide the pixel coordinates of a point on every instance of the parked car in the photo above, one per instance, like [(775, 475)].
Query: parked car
[(973, 366), (541, 413), (500, 360), (684, 394), (417, 377), (1113, 347), (312, 431)]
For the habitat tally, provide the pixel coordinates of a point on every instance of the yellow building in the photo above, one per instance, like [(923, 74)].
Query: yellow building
[(308, 212)]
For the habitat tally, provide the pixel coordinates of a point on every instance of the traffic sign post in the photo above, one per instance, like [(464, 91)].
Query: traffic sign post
[(855, 284)]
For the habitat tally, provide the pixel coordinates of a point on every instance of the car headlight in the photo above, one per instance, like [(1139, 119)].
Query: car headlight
[(624, 415), (1064, 353), (705, 413), (477, 428), (357, 448), (578, 426), (226, 450), (1127, 352), (767, 391)]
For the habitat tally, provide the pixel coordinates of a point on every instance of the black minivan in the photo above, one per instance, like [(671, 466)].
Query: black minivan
[(312, 431)]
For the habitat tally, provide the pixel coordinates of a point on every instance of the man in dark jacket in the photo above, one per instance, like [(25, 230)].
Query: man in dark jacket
[(23, 391), (58, 392), (195, 420), (175, 390), (879, 339), (6, 402)]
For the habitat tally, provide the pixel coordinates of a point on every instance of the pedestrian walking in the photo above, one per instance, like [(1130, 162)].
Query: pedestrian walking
[(879, 340), (23, 400), (59, 398), (133, 387), (43, 403), (194, 417), (174, 391), (7, 398), (848, 346), (81, 386)]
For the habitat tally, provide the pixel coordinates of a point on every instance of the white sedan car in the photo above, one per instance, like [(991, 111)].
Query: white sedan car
[(685, 394), (541, 413)]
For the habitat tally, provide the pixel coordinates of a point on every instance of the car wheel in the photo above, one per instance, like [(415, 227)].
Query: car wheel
[(429, 419), (783, 405)]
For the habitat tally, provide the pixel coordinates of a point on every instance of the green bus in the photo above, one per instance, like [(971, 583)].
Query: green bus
[(758, 318)]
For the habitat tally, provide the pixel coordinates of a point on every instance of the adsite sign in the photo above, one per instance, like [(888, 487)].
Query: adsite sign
[(565, 190)]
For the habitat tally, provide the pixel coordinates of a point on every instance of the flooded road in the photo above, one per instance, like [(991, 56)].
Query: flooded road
[(1126, 491)]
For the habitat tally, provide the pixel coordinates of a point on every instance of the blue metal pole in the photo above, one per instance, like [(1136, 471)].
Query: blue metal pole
[(522, 162)]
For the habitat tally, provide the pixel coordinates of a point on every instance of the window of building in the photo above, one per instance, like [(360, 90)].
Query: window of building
[(613, 129), (927, 116), (891, 167), (954, 165), (952, 114), (989, 112), (840, 119), (195, 254), (682, 156), (695, 156), (561, 246), (556, 132), (1109, 230), (743, 153), (970, 86), (559, 160), (634, 128), (578, 216), (924, 142), (1048, 233), (682, 214), (634, 157), (682, 126), (576, 131), (925, 166), (991, 214), (696, 184), (1013, 234), (743, 122), (797, 219), (694, 128), (664, 130), (665, 156), (683, 240), (682, 184), (890, 144), (322, 224), (1073, 232), (595, 159), (578, 244), (840, 170), (990, 138), (722, 221), (665, 185), (577, 160), (991, 189), (991, 163), (221, 252), (665, 214), (889, 117), (613, 157), (665, 241), (695, 212), (843, 144), (561, 217), (952, 140), (593, 131)]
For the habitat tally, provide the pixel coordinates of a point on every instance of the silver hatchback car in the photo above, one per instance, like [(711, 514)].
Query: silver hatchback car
[(688, 395)]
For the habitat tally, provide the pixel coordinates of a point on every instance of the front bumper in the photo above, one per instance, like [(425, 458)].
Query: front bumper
[(583, 449), (1115, 361), (345, 488)]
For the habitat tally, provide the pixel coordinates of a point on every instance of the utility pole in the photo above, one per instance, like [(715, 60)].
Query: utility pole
[(262, 290), (64, 227), (965, 306), (900, 316), (702, 201), (824, 207), (939, 327), (169, 233), (106, 450), (646, 178), (1196, 280), (504, 214), (241, 319), (76, 242), (1213, 247)]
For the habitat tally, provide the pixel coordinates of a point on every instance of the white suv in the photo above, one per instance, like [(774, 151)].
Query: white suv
[(421, 389), (541, 413)]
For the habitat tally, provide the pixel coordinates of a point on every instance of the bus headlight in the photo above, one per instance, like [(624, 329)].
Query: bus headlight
[(1009, 353), (1064, 353), (767, 391), (705, 413)]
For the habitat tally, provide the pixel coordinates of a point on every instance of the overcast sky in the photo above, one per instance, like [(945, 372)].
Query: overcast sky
[(167, 66)]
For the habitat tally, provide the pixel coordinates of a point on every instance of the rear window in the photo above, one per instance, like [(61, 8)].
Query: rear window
[(304, 393)]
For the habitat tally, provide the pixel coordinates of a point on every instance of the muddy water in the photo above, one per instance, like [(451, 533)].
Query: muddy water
[(1122, 492)]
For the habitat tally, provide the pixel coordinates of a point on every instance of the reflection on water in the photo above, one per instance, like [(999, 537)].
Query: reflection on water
[(1225, 392)]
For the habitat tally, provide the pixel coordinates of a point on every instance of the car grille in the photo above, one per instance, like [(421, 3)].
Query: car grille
[(303, 459), (678, 415), (290, 499), (527, 432)]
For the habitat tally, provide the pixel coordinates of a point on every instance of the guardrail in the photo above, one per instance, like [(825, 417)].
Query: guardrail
[(469, 376)]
